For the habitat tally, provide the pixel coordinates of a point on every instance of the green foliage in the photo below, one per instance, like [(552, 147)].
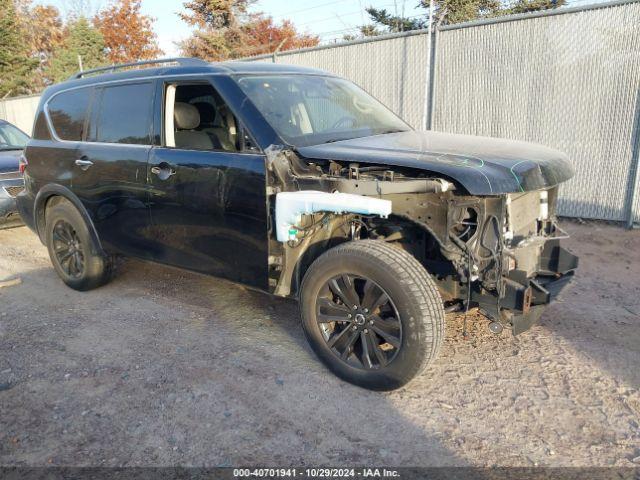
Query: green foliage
[(452, 11), (458, 11), (525, 6), (16, 66), (81, 39), (393, 23)]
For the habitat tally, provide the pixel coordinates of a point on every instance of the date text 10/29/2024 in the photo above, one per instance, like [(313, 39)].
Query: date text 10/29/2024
[(315, 473)]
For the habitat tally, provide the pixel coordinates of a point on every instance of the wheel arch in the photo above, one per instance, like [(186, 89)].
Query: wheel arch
[(409, 230), (47, 197)]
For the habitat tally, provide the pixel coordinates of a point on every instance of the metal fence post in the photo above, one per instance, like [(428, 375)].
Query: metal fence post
[(432, 77), (634, 167), (274, 59), (428, 79)]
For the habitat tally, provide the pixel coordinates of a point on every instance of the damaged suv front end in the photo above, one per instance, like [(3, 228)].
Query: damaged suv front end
[(478, 213)]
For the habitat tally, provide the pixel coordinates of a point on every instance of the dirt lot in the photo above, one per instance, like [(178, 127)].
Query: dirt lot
[(163, 367)]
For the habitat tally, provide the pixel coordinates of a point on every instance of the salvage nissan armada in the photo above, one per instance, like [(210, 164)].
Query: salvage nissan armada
[(298, 183)]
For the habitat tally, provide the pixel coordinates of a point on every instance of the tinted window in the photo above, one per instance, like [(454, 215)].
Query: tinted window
[(40, 128), (68, 112), (123, 114)]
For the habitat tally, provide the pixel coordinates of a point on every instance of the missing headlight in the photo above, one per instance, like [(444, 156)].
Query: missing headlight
[(464, 224)]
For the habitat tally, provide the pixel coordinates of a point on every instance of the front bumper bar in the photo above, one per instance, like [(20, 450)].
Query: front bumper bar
[(523, 297)]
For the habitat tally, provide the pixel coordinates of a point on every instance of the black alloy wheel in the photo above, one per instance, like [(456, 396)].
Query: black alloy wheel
[(359, 322), (372, 313), (75, 253), (68, 248)]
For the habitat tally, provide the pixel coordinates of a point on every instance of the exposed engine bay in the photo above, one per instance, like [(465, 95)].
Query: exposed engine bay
[(499, 253)]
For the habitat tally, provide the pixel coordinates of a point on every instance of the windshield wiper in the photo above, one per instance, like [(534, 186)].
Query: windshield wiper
[(8, 149)]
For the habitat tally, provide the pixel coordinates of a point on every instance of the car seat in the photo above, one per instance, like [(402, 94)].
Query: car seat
[(186, 121)]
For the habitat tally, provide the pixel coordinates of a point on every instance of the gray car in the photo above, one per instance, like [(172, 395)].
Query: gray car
[(12, 143)]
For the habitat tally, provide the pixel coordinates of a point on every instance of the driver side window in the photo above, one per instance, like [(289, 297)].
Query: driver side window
[(197, 118)]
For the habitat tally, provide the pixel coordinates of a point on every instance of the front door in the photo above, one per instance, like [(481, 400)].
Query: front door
[(111, 168), (207, 188)]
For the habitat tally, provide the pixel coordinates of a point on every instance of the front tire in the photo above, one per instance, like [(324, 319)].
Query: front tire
[(74, 254), (372, 314)]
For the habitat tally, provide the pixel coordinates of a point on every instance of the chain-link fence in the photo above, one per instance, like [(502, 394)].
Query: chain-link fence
[(567, 78), (569, 81)]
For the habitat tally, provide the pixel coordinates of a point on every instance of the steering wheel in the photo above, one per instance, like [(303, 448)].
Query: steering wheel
[(341, 122)]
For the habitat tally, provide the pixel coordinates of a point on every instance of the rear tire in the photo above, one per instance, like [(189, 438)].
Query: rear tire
[(372, 314), (75, 256)]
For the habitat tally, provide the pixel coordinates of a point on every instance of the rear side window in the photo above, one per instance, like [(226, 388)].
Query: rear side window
[(123, 114), (68, 112)]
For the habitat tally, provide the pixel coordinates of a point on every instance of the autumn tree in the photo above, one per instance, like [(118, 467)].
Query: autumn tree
[(262, 35), (215, 14), (225, 29), (44, 33), (16, 65), (82, 41), (128, 34)]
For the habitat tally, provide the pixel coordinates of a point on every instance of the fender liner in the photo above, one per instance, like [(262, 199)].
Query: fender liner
[(52, 190)]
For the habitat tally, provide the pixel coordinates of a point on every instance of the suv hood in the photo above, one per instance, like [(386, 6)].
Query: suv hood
[(482, 165), (9, 160)]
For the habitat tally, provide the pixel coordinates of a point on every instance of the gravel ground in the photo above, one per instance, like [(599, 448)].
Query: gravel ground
[(164, 367)]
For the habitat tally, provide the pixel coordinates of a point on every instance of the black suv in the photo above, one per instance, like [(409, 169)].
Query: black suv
[(298, 183)]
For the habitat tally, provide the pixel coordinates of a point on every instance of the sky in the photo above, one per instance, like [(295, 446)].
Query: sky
[(328, 18)]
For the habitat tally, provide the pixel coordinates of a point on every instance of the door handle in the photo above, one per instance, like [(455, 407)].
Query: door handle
[(84, 164), (163, 171)]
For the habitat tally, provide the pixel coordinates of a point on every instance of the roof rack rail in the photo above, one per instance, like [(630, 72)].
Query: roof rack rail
[(183, 62)]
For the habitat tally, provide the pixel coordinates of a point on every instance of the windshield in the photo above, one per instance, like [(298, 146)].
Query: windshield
[(309, 110), (11, 138)]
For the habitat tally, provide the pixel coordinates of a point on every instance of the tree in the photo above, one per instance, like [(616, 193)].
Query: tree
[(128, 34), (44, 33), (83, 40), (526, 6), (215, 14), (226, 30), (262, 35), (447, 12), (450, 12), (16, 65), (80, 8), (393, 23)]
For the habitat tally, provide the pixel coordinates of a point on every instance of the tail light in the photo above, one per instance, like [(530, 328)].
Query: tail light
[(22, 164)]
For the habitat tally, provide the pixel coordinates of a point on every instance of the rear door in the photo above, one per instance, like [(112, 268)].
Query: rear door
[(207, 187), (58, 131), (110, 172)]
